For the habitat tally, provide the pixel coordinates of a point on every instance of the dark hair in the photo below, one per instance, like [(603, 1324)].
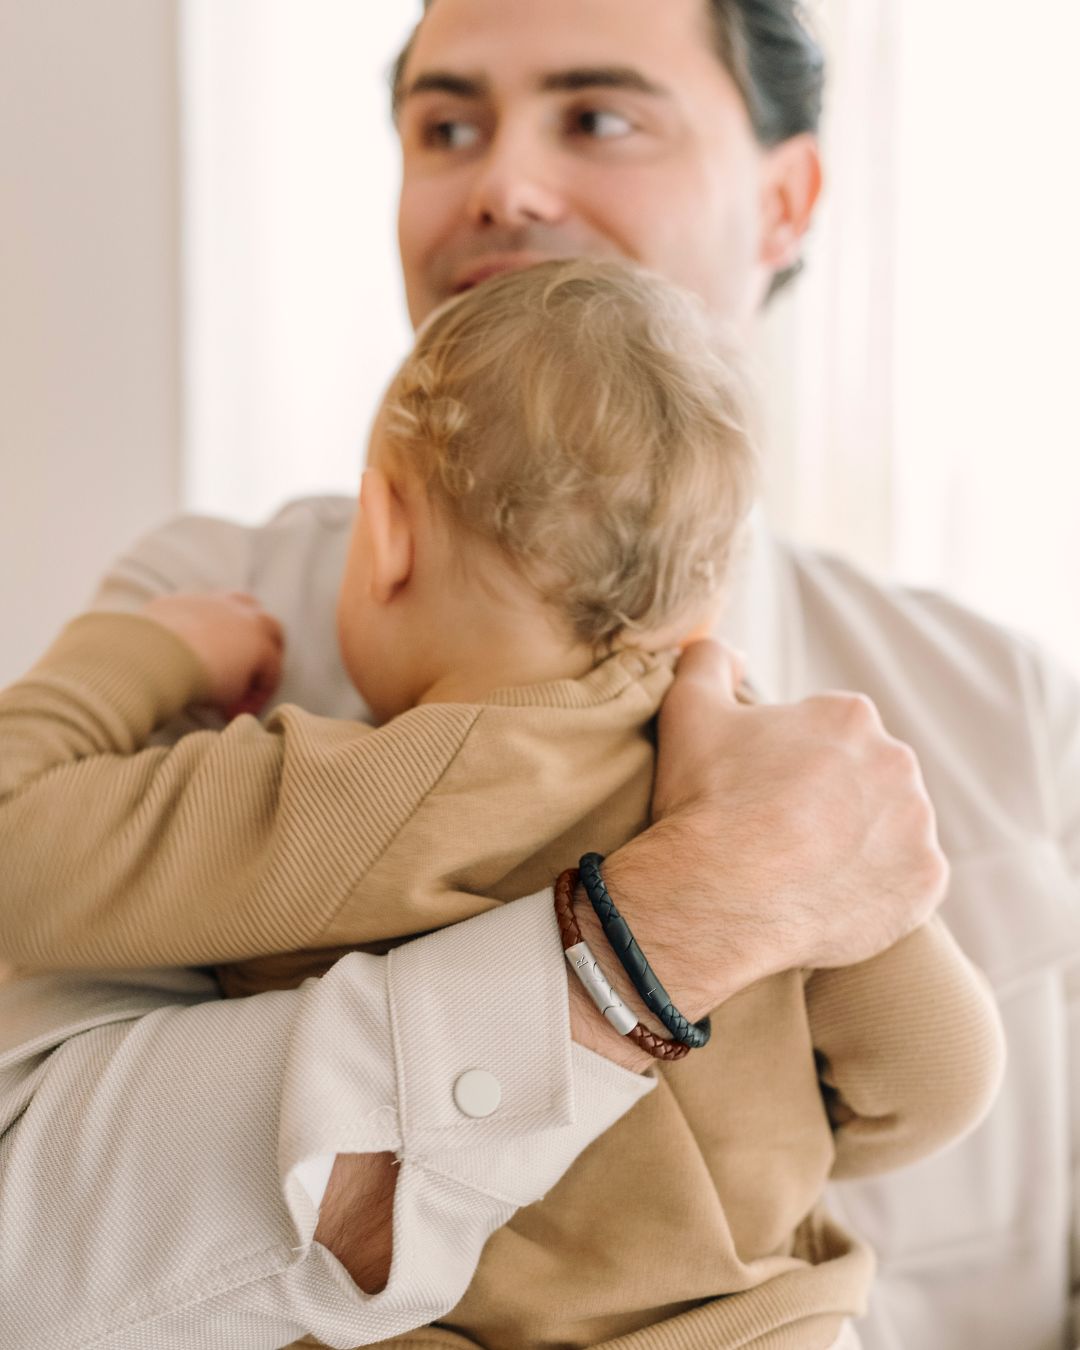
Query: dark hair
[(769, 50)]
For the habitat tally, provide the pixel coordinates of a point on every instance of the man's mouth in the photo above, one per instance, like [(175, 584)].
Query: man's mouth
[(485, 268)]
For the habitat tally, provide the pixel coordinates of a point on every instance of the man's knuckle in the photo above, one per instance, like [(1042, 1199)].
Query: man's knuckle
[(846, 712), (829, 703), (899, 774), (860, 713), (902, 759), (930, 875), (938, 868)]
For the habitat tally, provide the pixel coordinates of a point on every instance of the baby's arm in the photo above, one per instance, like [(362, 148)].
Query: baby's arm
[(910, 1051), (113, 855), (110, 681)]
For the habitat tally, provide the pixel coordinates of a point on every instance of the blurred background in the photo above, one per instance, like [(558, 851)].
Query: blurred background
[(200, 300)]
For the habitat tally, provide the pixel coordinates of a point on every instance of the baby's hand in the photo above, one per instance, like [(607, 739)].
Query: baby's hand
[(235, 639)]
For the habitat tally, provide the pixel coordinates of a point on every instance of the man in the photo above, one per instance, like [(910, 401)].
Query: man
[(201, 1137)]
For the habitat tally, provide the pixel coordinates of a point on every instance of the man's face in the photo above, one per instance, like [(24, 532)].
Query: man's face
[(607, 128)]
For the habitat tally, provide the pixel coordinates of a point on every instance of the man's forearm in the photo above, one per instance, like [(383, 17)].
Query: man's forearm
[(646, 880)]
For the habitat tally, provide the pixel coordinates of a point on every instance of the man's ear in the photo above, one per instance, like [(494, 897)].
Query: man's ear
[(390, 535), (791, 185)]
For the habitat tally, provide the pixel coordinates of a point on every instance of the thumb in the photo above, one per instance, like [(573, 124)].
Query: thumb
[(711, 668), (699, 703)]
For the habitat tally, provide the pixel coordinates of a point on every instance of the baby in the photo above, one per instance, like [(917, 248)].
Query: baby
[(556, 485)]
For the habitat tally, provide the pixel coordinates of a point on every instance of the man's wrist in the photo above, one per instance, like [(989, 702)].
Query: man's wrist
[(700, 969), (356, 1217), (590, 1029), (588, 1026)]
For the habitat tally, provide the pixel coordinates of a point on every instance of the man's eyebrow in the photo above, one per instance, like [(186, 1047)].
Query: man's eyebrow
[(445, 82), (601, 77), (558, 82)]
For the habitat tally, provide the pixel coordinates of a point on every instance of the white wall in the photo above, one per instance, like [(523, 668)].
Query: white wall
[(293, 308), (89, 299)]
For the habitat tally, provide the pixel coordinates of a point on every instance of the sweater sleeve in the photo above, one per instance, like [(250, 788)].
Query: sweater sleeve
[(225, 846), (910, 1051), (161, 1150)]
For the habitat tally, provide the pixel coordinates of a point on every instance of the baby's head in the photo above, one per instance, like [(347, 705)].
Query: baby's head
[(560, 467)]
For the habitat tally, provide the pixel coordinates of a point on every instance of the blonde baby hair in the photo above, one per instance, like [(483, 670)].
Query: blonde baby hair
[(581, 417)]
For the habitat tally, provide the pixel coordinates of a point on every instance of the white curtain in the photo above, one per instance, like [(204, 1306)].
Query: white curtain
[(294, 316), (919, 380), (826, 353)]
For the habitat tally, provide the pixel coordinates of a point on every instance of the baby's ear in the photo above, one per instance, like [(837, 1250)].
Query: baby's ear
[(390, 535)]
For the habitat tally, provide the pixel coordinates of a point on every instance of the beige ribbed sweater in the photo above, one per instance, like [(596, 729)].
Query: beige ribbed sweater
[(694, 1222)]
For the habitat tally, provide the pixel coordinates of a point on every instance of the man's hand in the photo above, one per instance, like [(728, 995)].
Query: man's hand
[(239, 644), (785, 836)]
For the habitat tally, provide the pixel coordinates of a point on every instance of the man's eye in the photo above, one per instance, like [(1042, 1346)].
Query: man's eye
[(450, 135), (601, 125)]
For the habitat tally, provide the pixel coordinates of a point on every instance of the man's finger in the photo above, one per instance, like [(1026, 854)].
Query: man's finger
[(713, 665)]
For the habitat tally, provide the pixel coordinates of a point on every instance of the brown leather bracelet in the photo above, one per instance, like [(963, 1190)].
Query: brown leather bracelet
[(570, 934)]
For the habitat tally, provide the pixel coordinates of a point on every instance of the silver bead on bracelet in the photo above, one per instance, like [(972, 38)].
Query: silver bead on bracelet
[(597, 985)]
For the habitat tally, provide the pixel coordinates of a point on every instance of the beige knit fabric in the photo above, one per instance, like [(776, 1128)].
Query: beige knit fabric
[(693, 1222)]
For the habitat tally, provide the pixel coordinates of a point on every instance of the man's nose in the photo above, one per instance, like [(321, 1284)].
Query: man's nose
[(516, 184)]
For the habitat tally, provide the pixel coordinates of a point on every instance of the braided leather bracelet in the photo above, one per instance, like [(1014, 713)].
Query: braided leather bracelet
[(617, 931), (582, 960)]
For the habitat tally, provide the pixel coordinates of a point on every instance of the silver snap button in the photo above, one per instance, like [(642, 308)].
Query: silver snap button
[(477, 1093)]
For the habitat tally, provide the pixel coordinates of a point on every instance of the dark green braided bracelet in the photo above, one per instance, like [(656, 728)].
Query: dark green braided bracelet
[(618, 934)]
